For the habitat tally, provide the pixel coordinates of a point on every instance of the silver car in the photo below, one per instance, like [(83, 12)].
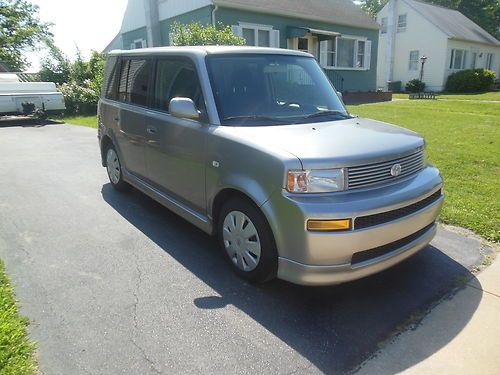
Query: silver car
[(255, 146)]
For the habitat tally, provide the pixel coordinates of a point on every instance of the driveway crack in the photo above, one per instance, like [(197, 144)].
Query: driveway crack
[(135, 293)]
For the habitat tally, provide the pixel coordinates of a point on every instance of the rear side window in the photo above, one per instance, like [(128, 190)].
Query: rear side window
[(110, 78), (135, 79), (176, 77)]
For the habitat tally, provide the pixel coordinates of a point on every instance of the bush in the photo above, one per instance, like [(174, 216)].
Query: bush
[(196, 34), (471, 80), (415, 85)]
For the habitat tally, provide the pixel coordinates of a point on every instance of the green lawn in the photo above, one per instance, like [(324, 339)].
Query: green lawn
[(463, 141), (90, 121), (491, 95), (16, 350)]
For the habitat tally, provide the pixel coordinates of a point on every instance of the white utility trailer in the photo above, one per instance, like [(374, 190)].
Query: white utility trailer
[(23, 98)]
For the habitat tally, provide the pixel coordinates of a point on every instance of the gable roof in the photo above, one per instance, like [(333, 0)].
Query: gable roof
[(453, 23), (342, 12)]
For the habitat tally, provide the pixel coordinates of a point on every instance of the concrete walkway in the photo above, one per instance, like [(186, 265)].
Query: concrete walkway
[(474, 350)]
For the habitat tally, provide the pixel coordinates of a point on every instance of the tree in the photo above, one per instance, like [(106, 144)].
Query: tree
[(196, 34), (20, 29), (55, 67), (486, 13)]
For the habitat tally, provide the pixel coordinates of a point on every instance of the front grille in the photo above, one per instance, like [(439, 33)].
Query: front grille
[(376, 252), (372, 174), (384, 217)]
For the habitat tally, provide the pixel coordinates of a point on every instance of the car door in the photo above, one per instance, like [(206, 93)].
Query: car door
[(175, 146), (133, 89)]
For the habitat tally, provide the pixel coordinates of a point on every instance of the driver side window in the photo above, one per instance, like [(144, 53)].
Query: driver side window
[(177, 77)]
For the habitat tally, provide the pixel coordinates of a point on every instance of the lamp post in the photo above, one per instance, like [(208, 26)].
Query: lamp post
[(423, 59)]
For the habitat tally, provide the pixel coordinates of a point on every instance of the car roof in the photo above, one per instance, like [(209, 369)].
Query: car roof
[(207, 50)]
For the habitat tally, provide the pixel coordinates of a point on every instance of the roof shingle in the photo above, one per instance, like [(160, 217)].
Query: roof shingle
[(453, 23), (343, 12)]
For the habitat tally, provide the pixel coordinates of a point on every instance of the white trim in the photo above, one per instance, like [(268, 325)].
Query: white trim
[(324, 54), (274, 38), (143, 42)]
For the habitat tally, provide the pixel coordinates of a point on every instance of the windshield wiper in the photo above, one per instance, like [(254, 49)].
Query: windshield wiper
[(329, 112), (253, 117)]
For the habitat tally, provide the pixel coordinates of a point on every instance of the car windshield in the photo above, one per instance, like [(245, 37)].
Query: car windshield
[(262, 89)]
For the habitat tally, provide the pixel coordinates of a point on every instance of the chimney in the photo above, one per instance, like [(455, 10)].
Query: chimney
[(152, 22)]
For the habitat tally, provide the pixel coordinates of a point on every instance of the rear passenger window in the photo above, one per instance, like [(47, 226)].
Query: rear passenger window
[(134, 81), (176, 78), (110, 78)]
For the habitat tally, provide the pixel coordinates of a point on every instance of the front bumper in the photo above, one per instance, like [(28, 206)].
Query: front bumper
[(322, 258)]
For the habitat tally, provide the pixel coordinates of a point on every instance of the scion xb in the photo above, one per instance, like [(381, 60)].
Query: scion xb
[(255, 146)]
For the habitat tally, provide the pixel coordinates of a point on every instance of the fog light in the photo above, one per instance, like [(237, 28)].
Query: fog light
[(329, 225)]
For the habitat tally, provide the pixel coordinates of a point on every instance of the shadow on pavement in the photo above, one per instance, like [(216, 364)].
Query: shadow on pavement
[(12, 121), (336, 328)]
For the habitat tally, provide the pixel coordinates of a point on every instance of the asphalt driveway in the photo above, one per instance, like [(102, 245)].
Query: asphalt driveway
[(116, 284)]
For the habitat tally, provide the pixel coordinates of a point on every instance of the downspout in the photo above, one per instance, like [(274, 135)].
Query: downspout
[(391, 41), (216, 7)]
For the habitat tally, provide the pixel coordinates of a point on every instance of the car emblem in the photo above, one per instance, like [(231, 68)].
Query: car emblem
[(396, 170)]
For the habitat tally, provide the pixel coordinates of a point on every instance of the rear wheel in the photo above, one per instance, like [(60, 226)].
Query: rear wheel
[(114, 168), (247, 240)]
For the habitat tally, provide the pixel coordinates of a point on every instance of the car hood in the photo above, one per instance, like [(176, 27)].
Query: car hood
[(336, 143)]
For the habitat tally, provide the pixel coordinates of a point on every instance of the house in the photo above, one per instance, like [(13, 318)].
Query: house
[(337, 32), (411, 29)]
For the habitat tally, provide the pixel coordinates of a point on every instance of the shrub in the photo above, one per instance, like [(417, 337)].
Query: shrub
[(415, 85), (471, 80), (196, 34)]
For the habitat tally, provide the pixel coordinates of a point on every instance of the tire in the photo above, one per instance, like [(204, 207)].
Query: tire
[(114, 169), (243, 232)]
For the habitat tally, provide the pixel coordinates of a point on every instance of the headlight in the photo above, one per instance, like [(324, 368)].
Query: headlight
[(316, 181)]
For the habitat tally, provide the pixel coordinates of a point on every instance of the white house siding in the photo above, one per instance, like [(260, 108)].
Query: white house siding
[(480, 49), (421, 36), (172, 8), (134, 17)]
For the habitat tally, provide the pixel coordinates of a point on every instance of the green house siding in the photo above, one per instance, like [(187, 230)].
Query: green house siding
[(201, 15), (129, 37), (354, 80)]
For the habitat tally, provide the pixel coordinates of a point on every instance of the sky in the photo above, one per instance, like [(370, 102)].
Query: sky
[(89, 24)]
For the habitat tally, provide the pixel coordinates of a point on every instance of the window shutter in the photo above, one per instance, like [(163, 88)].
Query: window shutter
[(237, 30), (275, 38), (368, 54), (323, 53)]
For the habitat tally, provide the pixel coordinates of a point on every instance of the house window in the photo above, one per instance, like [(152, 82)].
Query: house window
[(457, 60), (383, 25), (257, 35), (345, 53), (414, 60), (139, 43), (489, 61), (473, 60), (360, 61), (401, 23)]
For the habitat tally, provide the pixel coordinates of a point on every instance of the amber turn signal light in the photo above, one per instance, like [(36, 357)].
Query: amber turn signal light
[(329, 225)]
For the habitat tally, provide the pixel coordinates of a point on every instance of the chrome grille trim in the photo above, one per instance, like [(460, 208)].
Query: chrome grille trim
[(372, 174)]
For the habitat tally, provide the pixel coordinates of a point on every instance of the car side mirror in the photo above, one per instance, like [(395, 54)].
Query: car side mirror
[(183, 108), (340, 95)]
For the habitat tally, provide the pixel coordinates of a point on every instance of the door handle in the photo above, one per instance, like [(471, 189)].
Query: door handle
[(151, 129), (116, 119)]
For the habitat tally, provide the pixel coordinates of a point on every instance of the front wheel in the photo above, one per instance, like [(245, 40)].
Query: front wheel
[(114, 169), (247, 240)]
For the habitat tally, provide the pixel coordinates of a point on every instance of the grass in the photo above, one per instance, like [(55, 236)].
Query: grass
[(491, 95), (463, 141), (16, 349), (90, 121)]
